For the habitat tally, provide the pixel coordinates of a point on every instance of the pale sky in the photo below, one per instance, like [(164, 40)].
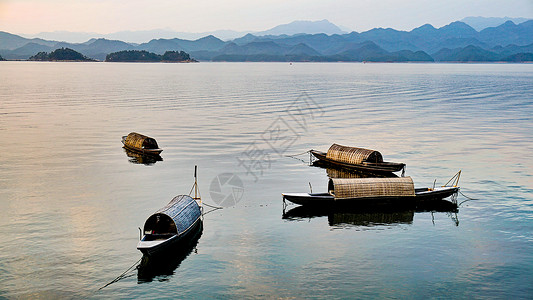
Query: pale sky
[(107, 16)]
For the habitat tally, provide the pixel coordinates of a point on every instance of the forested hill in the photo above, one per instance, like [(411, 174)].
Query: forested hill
[(145, 56), (63, 54)]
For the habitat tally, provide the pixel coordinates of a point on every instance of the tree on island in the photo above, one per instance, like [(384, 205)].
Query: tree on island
[(145, 56), (41, 56), (63, 54), (1, 58), (132, 56), (176, 56)]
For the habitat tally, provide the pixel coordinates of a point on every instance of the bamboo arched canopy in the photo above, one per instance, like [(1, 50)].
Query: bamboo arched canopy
[(353, 155), (349, 188), (139, 141), (175, 218)]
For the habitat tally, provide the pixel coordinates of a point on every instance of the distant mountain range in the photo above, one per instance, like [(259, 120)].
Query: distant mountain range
[(297, 27), (480, 23), (142, 36), (456, 41)]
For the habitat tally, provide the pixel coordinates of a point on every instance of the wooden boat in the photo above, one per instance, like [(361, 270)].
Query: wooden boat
[(141, 143), (356, 191), (169, 259), (177, 221), (357, 158)]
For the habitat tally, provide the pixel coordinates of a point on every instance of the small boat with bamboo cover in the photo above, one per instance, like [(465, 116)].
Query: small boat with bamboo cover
[(356, 158), (141, 143), (349, 191), (178, 220)]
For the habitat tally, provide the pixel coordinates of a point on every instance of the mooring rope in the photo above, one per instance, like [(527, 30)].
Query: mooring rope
[(299, 153), (209, 211), (215, 207), (123, 275), (467, 198), (294, 156)]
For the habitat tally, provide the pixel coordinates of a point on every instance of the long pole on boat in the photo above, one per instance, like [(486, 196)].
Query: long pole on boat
[(195, 182), (195, 187), (454, 179), (196, 191)]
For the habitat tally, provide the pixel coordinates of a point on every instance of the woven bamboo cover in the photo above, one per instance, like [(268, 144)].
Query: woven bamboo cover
[(353, 155), (346, 188), (179, 214), (183, 210), (137, 140)]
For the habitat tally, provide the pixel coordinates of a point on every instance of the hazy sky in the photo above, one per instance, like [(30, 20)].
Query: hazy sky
[(107, 16)]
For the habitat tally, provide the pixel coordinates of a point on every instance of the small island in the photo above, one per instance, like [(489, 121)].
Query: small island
[(62, 54), (1, 58), (145, 56)]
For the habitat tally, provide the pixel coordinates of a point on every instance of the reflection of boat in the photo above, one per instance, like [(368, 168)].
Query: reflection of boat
[(356, 191), (166, 262), (365, 216), (141, 143), (371, 218), (368, 215), (357, 158), (339, 172), (139, 158), (177, 221)]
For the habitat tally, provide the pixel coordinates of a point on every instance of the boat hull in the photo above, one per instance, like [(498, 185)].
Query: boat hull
[(164, 246), (383, 167), (325, 199), (165, 262)]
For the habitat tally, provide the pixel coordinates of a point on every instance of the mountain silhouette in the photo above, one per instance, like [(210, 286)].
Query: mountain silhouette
[(456, 41)]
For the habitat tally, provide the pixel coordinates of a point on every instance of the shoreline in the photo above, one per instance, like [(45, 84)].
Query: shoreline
[(289, 62)]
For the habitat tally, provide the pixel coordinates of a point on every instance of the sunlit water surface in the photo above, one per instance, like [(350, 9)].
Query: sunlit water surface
[(71, 199)]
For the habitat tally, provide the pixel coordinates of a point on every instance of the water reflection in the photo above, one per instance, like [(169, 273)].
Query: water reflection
[(138, 158), (370, 215), (163, 265), (339, 172)]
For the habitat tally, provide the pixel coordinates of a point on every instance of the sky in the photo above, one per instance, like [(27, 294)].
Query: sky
[(108, 16)]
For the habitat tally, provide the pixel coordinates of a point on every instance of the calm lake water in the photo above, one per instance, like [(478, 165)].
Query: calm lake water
[(71, 199)]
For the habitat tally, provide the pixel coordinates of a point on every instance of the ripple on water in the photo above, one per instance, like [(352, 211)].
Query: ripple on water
[(71, 201)]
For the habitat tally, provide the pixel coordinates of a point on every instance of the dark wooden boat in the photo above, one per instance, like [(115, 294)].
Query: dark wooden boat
[(178, 220), (356, 191), (141, 143), (168, 260), (357, 158)]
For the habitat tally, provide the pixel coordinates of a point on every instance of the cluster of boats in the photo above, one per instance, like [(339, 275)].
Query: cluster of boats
[(174, 225), (376, 182), (357, 177)]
